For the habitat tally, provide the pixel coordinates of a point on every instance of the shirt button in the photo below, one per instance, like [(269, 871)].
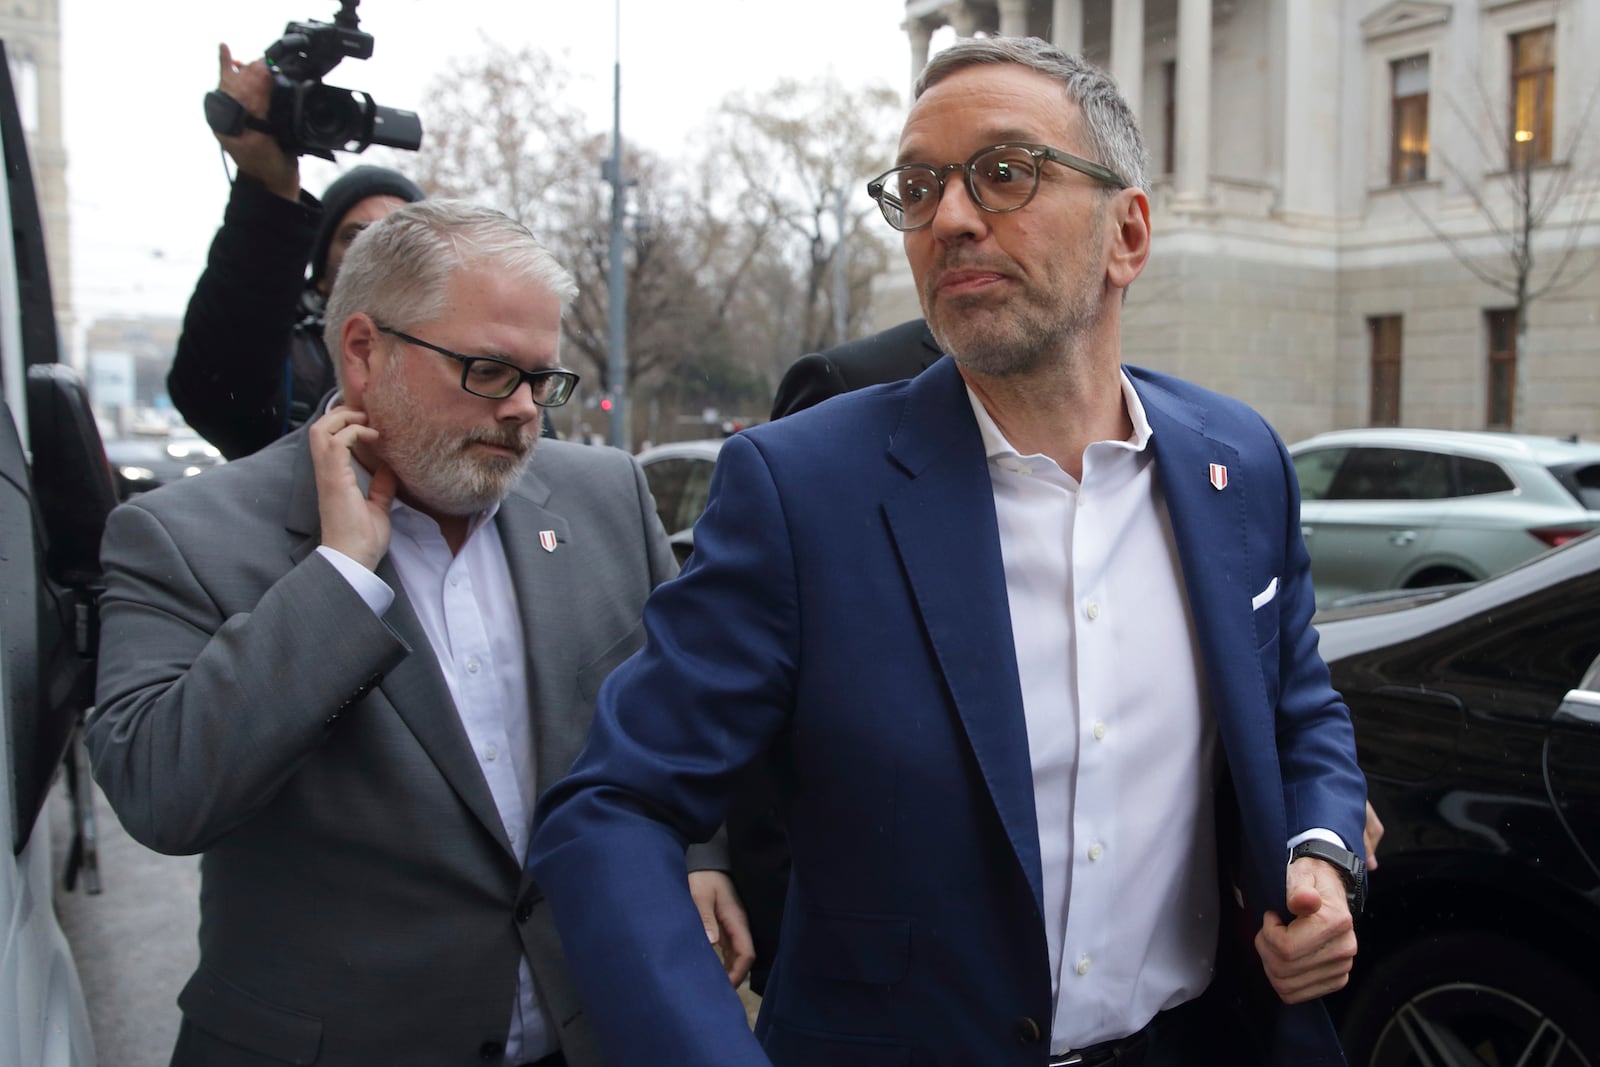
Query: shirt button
[(455, 580), (1093, 611), (1095, 852), (1083, 965), (490, 752), (1099, 731), (472, 666)]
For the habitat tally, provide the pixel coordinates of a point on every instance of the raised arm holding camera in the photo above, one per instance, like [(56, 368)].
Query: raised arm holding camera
[(250, 363)]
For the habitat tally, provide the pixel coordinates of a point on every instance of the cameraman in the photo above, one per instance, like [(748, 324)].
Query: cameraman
[(251, 364)]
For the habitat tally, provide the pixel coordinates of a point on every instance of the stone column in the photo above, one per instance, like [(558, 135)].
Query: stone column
[(1127, 51), (1013, 18), (920, 33), (1066, 25), (963, 19), (1194, 103)]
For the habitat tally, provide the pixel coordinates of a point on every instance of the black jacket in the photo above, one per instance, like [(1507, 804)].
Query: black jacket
[(251, 364)]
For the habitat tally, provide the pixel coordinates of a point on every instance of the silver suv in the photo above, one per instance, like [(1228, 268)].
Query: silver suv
[(1400, 509)]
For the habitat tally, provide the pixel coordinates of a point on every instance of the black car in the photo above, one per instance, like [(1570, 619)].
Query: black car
[(1477, 716), (141, 462)]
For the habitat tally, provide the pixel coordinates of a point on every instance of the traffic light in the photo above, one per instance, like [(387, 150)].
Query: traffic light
[(605, 403)]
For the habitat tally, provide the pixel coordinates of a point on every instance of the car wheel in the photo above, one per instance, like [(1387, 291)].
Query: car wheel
[(1438, 576), (1467, 999)]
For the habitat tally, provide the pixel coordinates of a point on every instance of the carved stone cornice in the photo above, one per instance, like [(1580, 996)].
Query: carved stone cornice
[(1402, 16)]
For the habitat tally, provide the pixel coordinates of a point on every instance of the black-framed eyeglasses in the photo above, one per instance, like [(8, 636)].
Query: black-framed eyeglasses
[(496, 379), (1000, 178)]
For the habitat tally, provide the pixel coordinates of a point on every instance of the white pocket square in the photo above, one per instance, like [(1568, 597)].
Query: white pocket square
[(1263, 598)]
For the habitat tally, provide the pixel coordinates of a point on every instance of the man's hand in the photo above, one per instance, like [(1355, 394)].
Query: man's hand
[(1371, 834), (353, 524), (723, 917), (1311, 955), (256, 153)]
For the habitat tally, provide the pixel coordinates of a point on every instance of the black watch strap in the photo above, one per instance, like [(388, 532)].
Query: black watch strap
[(1349, 865)]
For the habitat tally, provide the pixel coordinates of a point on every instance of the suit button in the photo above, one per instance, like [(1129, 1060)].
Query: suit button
[(1027, 1030), (491, 1050), (524, 911)]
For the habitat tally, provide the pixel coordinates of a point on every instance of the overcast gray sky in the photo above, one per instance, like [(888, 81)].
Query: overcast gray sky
[(145, 180)]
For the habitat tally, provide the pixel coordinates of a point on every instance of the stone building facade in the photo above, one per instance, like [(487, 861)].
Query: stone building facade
[(1335, 190), (31, 30)]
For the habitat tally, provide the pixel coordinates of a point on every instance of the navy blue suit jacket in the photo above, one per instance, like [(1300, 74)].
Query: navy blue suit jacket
[(846, 600)]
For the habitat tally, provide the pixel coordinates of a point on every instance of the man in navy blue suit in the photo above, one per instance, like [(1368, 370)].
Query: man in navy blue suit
[(1029, 640)]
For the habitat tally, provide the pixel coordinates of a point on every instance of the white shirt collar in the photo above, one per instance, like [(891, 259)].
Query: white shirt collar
[(995, 443)]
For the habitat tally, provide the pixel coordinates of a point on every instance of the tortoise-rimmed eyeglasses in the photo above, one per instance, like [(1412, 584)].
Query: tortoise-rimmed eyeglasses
[(496, 379), (1000, 178)]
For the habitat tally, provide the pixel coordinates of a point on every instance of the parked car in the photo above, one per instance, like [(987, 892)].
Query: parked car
[(679, 476), (143, 461), (1406, 509), (1477, 717)]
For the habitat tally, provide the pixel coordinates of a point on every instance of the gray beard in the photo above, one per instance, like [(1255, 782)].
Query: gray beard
[(433, 466)]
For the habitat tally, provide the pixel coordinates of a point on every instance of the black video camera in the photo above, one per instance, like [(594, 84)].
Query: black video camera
[(310, 118)]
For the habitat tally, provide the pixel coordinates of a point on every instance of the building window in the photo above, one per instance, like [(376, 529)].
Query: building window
[(1502, 331), (1169, 111), (1533, 80), (1385, 397), (1408, 146)]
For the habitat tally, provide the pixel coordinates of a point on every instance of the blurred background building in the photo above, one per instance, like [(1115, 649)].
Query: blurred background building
[(31, 30), (1366, 213)]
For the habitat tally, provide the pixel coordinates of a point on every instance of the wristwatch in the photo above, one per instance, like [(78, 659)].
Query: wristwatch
[(1349, 865)]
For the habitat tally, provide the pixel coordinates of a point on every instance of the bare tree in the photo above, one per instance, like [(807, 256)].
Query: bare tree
[(793, 164), (733, 259), (1517, 194), (501, 130)]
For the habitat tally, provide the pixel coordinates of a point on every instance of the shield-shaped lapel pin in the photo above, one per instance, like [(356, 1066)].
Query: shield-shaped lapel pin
[(547, 540), (1219, 477)]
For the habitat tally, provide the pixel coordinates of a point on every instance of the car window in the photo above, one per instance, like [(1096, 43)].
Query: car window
[(1315, 470), (1587, 479), (1475, 477), (1391, 474), (1521, 661), (696, 489), (666, 478)]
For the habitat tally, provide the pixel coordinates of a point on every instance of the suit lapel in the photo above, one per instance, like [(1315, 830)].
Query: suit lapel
[(1211, 527), (541, 576), (415, 688), (943, 523)]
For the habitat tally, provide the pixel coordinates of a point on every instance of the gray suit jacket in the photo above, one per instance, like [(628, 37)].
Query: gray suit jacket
[(360, 902)]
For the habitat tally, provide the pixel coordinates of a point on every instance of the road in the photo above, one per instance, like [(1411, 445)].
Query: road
[(134, 942)]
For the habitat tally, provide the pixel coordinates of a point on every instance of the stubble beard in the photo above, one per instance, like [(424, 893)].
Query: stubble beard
[(1020, 333), (1019, 336), (437, 467)]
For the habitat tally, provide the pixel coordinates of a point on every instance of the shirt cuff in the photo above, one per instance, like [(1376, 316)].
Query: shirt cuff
[(1315, 832), (373, 591)]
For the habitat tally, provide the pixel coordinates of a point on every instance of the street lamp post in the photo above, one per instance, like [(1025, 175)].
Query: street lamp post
[(617, 278)]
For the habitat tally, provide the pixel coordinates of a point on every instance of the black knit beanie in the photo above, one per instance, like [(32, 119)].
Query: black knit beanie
[(345, 192)]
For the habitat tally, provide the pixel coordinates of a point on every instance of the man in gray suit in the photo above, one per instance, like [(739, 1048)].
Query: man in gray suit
[(342, 670)]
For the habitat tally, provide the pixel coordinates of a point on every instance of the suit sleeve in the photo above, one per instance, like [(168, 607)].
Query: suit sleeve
[(227, 377), (1322, 785), (200, 718), (710, 855), (674, 726)]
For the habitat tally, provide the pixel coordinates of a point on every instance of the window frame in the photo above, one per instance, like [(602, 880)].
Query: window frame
[(1385, 340), (1400, 107)]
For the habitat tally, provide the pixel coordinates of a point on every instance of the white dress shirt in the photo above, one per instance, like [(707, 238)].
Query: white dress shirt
[(1119, 735), (468, 609)]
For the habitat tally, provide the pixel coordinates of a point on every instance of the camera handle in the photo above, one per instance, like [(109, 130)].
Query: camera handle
[(229, 118)]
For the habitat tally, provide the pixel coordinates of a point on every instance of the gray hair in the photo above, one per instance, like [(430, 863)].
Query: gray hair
[(398, 269), (1113, 130)]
